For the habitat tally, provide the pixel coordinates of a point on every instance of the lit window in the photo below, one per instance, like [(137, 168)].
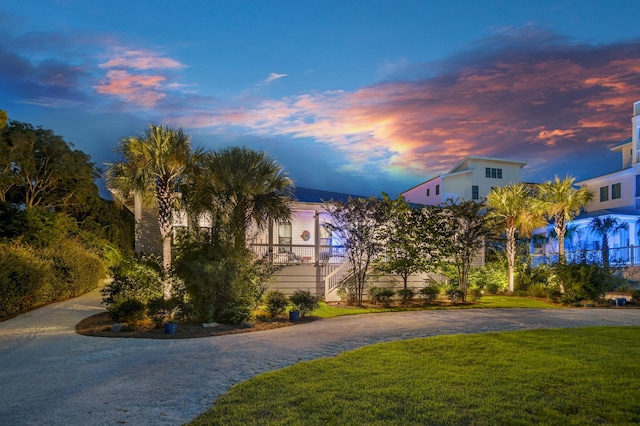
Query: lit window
[(604, 193), (616, 191), (284, 235), (474, 192), (437, 189)]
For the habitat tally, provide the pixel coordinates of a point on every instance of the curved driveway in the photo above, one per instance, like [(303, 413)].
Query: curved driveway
[(51, 375)]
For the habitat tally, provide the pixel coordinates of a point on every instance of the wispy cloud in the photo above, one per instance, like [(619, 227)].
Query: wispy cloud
[(140, 60), (273, 76)]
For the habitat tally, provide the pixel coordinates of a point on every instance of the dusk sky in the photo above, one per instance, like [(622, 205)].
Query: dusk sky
[(349, 96)]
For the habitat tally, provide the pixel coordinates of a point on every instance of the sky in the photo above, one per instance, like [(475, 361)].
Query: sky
[(360, 96)]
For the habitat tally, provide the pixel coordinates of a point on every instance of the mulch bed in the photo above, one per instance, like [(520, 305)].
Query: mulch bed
[(100, 325)]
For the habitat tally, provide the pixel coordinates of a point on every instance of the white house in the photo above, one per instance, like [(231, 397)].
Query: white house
[(471, 179)]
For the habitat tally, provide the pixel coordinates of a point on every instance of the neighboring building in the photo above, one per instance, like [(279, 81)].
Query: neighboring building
[(471, 179), (615, 194)]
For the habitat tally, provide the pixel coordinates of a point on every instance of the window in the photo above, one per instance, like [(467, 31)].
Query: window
[(437, 189), (474, 192), (494, 173), (284, 236), (428, 190), (616, 191), (637, 185), (604, 193)]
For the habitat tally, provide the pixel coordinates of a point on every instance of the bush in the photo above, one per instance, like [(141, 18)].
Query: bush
[(538, 290), (305, 301), (276, 302), (528, 276), (134, 278), (429, 293), (235, 314), (577, 282), (161, 310), (635, 296), (127, 310), (491, 277), (77, 270), (406, 295), (454, 294), (475, 294), (381, 295)]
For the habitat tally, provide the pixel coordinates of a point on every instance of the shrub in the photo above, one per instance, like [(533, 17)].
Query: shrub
[(235, 314), (635, 296), (406, 295), (454, 294), (475, 294), (127, 310), (577, 282), (305, 301), (528, 276), (134, 278), (161, 310), (538, 290), (491, 277), (381, 295), (276, 302), (429, 293), (77, 270)]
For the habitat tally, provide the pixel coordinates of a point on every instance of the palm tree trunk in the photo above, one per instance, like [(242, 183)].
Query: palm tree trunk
[(511, 257), (166, 267), (605, 252)]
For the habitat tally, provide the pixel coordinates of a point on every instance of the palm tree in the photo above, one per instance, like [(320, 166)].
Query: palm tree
[(240, 187), (154, 164), (561, 201), (604, 227), (512, 205)]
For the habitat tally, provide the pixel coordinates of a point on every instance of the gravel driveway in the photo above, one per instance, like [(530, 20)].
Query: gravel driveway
[(51, 375)]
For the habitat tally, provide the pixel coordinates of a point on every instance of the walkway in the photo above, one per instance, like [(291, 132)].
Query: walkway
[(50, 375)]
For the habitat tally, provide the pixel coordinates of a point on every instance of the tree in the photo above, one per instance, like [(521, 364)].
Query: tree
[(357, 224), (511, 205), (604, 227), (467, 225), (559, 200), (154, 165), (413, 239), (3, 118), (39, 168), (237, 188)]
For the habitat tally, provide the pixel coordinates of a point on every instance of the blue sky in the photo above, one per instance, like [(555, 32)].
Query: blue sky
[(349, 96)]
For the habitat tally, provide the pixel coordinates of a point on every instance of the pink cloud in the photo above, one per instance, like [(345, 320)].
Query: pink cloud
[(140, 60), (140, 89)]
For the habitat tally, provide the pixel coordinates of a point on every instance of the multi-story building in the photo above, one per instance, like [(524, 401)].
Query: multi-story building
[(471, 179)]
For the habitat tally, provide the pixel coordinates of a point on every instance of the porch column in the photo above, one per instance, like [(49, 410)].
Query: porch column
[(270, 239)]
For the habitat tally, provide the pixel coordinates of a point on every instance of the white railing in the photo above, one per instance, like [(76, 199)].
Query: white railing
[(618, 257), (335, 278)]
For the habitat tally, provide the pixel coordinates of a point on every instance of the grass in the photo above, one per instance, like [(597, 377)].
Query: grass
[(330, 311), (582, 376)]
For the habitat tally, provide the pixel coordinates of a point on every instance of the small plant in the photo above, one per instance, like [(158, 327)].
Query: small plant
[(277, 302), (429, 293), (538, 290), (475, 294), (454, 294), (381, 295), (161, 310), (127, 310), (305, 301), (406, 295)]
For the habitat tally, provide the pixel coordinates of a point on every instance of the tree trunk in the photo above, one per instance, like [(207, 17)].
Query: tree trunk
[(605, 252), (166, 267), (560, 231), (511, 257)]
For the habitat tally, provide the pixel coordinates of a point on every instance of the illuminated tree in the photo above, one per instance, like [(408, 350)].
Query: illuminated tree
[(559, 200), (604, 227), (154, 164)]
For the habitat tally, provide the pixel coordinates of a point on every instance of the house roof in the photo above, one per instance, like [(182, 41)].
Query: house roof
[(463, 164), (620, 145), (307, 195)]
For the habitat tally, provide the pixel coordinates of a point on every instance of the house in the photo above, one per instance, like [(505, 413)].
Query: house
[(471, 179), (617, 195)]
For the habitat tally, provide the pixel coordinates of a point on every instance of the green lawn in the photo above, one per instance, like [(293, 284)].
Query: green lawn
[(583, 376), (330, 311)]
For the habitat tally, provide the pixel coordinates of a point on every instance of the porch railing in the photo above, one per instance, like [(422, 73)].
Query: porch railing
[(618, 257), (299, 254)]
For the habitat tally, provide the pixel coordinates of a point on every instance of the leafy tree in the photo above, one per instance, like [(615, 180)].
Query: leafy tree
[(413, 239), (3, 118), (153, 166), (39, 168), (561, 201), (357, 224), (238, 187), (604, 227), (468, 228), (511, 204)]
